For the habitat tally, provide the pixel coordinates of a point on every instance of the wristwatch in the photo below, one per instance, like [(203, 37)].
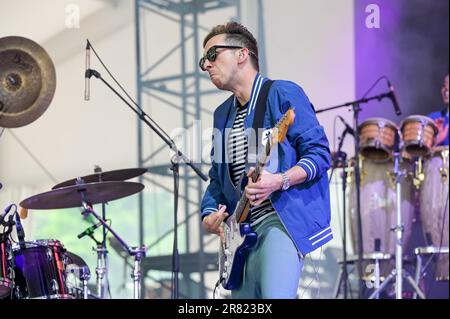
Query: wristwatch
[(286, 183)]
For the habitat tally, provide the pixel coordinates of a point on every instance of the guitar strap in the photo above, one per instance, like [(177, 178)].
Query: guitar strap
[(254, 140)]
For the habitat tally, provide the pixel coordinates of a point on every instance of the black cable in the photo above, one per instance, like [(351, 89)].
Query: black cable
[(374, 84), (120, 86), (2, 131)]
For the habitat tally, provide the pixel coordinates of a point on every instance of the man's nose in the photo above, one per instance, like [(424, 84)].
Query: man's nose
[(207, 64)]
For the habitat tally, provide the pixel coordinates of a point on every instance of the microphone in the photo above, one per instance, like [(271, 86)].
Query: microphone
[(394, 99), (87, 72), (347, 127), (89, 231)]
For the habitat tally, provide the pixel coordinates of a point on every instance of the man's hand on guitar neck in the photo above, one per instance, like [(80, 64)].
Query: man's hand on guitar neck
[(266, 184), (213, 222)]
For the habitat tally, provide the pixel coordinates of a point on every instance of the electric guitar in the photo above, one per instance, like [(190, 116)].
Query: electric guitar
[(239, 237)]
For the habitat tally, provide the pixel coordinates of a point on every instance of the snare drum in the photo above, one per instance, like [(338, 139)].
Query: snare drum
[(6, 273), (40, 270), (377, 138), (434, 207), (418, 135)]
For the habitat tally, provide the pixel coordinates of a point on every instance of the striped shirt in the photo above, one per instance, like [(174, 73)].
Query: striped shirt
[(237, 152)]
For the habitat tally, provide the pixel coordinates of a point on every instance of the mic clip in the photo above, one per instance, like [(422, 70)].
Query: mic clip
[(90, 72)]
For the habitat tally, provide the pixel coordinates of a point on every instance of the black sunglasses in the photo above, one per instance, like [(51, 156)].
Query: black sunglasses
[(212, 53)]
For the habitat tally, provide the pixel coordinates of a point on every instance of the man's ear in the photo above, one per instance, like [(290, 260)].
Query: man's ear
[(241, 55)]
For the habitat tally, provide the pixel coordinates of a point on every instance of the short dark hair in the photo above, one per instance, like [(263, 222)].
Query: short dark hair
[(237, 34)]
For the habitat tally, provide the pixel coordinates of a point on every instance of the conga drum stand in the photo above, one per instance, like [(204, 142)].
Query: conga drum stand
[(398, 272)]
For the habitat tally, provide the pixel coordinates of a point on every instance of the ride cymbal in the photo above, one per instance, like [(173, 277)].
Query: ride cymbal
[(111, 176), (70, 196)]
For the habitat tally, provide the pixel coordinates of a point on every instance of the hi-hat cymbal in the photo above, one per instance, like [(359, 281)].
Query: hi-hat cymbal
[(27, 81), (70, 196), (111, 176)]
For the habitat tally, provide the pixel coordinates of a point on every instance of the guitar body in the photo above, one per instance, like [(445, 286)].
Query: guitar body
[(239, 239)]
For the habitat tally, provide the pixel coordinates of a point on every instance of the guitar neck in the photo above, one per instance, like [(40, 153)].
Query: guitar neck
[(244, 204)]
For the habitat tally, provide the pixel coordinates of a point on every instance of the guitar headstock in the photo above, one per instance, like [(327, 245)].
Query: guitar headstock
[(280, 130)]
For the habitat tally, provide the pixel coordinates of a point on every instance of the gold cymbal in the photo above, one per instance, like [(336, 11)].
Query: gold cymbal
[(27, 81)]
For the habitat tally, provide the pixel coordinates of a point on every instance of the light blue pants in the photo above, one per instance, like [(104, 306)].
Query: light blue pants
[(273, 267)]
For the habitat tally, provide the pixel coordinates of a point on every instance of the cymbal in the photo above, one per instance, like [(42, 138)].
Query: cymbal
[(111, 176), (27, 81), (68, 197)]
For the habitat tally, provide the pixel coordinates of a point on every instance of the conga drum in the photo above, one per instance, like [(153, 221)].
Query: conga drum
[(377, 139), (379, 210), (418, 135), (434, 207)]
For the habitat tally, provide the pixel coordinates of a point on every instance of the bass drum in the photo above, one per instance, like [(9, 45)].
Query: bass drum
[(379, 211), (434, 206)]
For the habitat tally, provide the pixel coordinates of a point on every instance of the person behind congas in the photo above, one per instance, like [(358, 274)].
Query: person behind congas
[(441, 117)]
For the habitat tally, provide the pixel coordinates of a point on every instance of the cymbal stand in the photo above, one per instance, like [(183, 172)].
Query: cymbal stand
[(85, 275), (102, 252), (137, 252), (101, 270)]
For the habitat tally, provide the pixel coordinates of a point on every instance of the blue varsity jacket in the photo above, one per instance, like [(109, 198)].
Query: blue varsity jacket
[(304, 209)]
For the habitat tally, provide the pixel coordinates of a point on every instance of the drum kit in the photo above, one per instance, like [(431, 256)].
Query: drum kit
[(44, 268), (41, 268), (422, 174)]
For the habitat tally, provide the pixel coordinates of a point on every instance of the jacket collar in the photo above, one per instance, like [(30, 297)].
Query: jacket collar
[(257, 84)]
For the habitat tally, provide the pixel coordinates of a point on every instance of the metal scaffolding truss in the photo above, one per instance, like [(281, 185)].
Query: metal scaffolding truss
[(187, 86)]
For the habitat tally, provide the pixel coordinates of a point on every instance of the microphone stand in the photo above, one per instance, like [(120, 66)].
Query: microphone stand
[(356, 109), (176, 159), (340, 159)]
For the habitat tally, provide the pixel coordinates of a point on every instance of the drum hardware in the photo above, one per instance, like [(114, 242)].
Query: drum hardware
[(376, 278), (101, 250), (420, 268), (137, 252), (444, 169), (419, 175), (398, 272), (86, 195)]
